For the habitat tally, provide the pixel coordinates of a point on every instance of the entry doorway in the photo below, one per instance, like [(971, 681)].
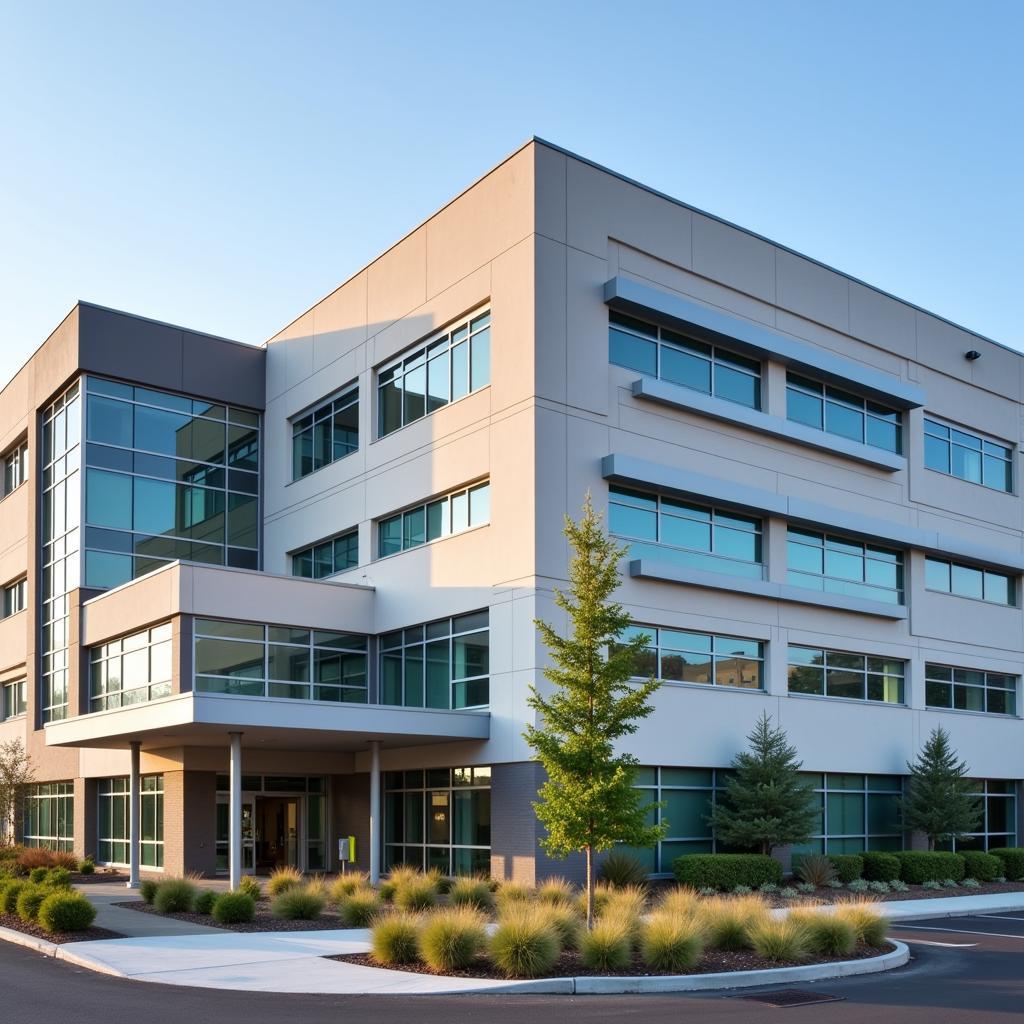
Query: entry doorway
[(276, 831)]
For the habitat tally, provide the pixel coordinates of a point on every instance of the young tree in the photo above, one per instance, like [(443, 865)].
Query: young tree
[(938, 799), (767, 803), (588, 802), (16, 773)]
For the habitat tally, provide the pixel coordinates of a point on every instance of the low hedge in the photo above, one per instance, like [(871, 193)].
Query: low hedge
[(66, 911), (982, 866), (920, 866), (1012, 858), (881, 867), (849, 866), (725, 871)]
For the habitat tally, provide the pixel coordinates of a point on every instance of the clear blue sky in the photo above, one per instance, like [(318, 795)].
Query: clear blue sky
[(223, 165)]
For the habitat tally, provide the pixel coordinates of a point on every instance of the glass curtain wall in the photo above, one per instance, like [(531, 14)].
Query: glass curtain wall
[(113, 821)]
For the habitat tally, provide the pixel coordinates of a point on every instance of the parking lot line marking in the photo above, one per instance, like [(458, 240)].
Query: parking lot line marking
[(948, 945), (955, 931), (998, 917)]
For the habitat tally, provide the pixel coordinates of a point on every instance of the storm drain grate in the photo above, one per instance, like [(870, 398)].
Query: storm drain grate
[(790, 997)]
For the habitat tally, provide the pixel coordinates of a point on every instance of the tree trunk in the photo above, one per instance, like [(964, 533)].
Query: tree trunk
[(590, 887)]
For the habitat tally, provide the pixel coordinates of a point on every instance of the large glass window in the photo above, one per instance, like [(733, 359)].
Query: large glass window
[(421, 524), (49, 816), (439, 818), (442, 664), (444, 369), (169, 477), (682, 656), (856, 813), (132, 670), (15, 468), (998, 825), (964, 689), (967, 456), (327, 433), (824, 407), (824, 673), (838, 565), (12, 700), (668, 355), (15, 598), (251, 659), (113, 821), (970, 581), (678, 531), (328, 557)]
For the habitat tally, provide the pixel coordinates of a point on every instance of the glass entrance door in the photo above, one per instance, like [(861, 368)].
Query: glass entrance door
[(248, 834), (278, 823)]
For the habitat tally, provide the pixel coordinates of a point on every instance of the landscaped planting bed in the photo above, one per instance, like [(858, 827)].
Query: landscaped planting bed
[(263, 921), (15, 923)]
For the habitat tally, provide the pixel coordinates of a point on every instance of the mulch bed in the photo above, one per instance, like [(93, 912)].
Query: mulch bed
[(98, 876), (570, 964), (264, 921), (15, 923)]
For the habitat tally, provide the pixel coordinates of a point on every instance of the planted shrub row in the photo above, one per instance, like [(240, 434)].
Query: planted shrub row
[(725, 871), (1012, 858), (920, 866)]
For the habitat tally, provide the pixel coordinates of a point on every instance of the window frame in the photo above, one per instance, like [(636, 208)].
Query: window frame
[(1012, 581), (324, 411), (13, 696), (934, 428), (843, 585), (989, 789), (838, 398), (660, 650), (15, 468), (315, 553), (819, 842), (59, 800), (103, 656), (933, 672), (864, 671), (405, 520), (15, 598)]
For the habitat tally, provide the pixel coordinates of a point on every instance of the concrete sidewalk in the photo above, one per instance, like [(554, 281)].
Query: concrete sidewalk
[(134, 923)]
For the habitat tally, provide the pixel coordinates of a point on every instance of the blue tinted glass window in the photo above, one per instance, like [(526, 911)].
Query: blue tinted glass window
[(108, 499)]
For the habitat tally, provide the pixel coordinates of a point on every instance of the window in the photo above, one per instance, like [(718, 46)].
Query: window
[(15, 468), (250, 659), (113, 821), (49, 816), (439, 818), (12, 700), (453, 513), (15, 597), (836, 565), (838, 412), (967, 456), (856, 813), (841, 674), (678, 531), (446, 368), (968, 581), (965, 689), (135, 669), (168, 477), (998, 826), (328, 557), (327, 433), (678, 656), (659, 352), (442, 664)]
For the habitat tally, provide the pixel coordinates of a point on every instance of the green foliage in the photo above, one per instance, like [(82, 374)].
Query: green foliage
[(58, 878), (395, 940), (670, 943), (880, 867), (65, 911), (16, 775), (608, 945), (236, 907), (564, 921), (767, 802), (983, 866), (827, 934), (86, 866), (345, 885), (727, 922), (248, 884), (9, 896), (938, 800), (849, 866), (511, 893), (588, 803), (359, 908), (147, 889), (283, 879), (556, 891), (918, 866), (30, 899), (204, 901), (871, 926), (620, 869), (724, 871), (471, 892), (451, 939), (783, 940), (1012, 858), (419, 893), (38, 875), (298, 903), (175, 896), (525, 945), (815, 869)]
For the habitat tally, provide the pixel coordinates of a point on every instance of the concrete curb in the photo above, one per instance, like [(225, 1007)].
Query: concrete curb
[(910, 915), (29, 941)]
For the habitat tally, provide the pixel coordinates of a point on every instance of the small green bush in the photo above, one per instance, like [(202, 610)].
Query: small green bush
[(471, 892), (607, 946), (1013, 861), (524, 945), (9, 896), (86, 866), (931, 884), (780, 939), (858, 885), (359, 908), (670, 943), (204, 901), (815, 869), (394, 940), (724, 871), (38, 875), (620, 869), (971, 883), (880, 867), (251, 886), (983, 866), (451, 939), (298, 903), (849, 866), (66, 911), (58, 878), (236, 907), (30, 899), (827, 934), (175, 896), (147, 889), (918, 866)]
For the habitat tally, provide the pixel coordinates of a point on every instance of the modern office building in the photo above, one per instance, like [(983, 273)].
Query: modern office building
[(286, 594)]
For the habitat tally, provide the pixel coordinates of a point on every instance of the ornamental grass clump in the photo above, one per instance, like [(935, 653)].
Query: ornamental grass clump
[(827, 934), (236, 907), (512, 892), (147, 890), (525, 945), (471, 892), (345, 885), (418, 893), (556, 891), (65, 911), (394, 940), (780, 939), (564, 921), (298, 903), (283, 879), (175, 896), (871, 926), (728, 923), (359, 908), (608, 945), (204, 901), (671, 943), (451, 939), (251, 887), (627, 906), (621, 869), (681, 900)]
